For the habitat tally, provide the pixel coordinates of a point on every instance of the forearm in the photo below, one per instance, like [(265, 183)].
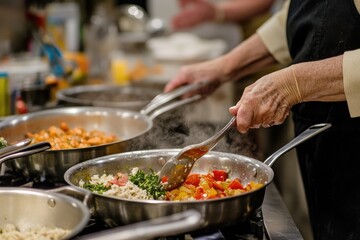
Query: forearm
[(248, 58), (242, 10), (321, 80)]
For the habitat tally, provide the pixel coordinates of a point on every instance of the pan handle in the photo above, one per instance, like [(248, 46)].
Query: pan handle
[(164, 226), (163, 98), (307, 134), (83, 195), (173, 105), (14, 147), (25, 151)]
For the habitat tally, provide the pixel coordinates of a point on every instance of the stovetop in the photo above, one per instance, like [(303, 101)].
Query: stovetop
[(252, 229), (272, 221)]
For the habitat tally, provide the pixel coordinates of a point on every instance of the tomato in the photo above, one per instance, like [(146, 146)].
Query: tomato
[(193, 179), (120, 180), (199, 194), (217, 186), (236, 184), (164, 179), (220, 175)]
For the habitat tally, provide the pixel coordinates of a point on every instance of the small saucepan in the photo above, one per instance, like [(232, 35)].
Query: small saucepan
[(26, 209)]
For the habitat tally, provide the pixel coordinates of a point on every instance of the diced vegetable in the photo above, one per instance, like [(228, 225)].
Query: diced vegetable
[(98, 188), (149, 182), (193, 179), (164, 179), (215, 184), (236, 184), (220, 175), (3, 142)]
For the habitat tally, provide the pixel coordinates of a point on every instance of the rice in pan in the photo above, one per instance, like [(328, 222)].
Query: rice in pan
[(129, 190), (11, 232)]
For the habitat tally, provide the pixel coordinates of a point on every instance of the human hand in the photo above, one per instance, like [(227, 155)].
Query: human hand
[(209, 71), (268, 101), (193, 12)]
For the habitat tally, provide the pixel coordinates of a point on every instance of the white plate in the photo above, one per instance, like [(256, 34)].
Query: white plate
[(185, 47)]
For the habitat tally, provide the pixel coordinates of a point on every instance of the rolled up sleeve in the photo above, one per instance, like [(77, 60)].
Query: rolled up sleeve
[(273, 34), (351, 76)]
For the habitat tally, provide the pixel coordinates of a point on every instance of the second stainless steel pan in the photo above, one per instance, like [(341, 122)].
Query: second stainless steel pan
[(127, 125)]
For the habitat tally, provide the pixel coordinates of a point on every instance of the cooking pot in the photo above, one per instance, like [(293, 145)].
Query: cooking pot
[(32, 208), (126, 97), (129, 126), (215, 212)]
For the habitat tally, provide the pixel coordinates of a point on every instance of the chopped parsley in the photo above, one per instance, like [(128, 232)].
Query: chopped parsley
[(150, 182), (3, 142), (98, 188)]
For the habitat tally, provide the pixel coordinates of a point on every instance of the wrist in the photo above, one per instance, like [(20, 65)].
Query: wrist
[(219, 14), (288, 85)]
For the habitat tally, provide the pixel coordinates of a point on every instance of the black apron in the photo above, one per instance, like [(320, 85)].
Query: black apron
[(330, 162)]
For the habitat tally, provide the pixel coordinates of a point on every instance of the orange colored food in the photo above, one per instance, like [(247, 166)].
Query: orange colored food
[(215, 184), (63, 137)]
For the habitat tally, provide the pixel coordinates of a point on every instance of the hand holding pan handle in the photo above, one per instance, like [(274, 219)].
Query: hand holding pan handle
[(308, 133), (164, 226)]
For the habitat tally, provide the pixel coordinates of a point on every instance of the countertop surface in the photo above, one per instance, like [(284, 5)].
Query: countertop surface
[(277, 219)]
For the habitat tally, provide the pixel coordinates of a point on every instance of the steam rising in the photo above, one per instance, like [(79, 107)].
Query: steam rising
[(171, 130)]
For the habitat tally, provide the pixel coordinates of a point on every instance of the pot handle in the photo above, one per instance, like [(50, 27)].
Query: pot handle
[(14, 147), (164, 98), (83, 195), (24, 151), (302, 137), (164, 226)]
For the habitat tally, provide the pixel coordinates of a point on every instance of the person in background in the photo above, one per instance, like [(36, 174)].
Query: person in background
[(195, 12), (320, 43)]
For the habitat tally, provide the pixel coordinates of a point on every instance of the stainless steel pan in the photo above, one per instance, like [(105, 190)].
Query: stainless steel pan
[(125, 97), (31, 208), (215, 212), (128, 125)]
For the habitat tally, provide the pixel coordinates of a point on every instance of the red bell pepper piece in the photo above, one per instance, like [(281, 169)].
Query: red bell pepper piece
[(236, 184), (193, 179), (220, 175)]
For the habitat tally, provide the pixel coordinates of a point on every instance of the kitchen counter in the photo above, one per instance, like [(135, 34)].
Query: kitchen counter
[(278, 222)]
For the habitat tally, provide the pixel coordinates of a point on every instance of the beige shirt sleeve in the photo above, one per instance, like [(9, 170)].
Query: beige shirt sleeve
[(273, 34), (351, 76)]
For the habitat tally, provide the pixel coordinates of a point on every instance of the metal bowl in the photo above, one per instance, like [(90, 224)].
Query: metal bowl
[(28, 208)]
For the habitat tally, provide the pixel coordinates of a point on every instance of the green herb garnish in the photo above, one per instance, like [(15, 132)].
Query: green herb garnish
[(3, 142), (150, 182), (98, 188)]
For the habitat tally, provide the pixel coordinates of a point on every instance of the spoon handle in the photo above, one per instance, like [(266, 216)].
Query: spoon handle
[(211, 142)]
